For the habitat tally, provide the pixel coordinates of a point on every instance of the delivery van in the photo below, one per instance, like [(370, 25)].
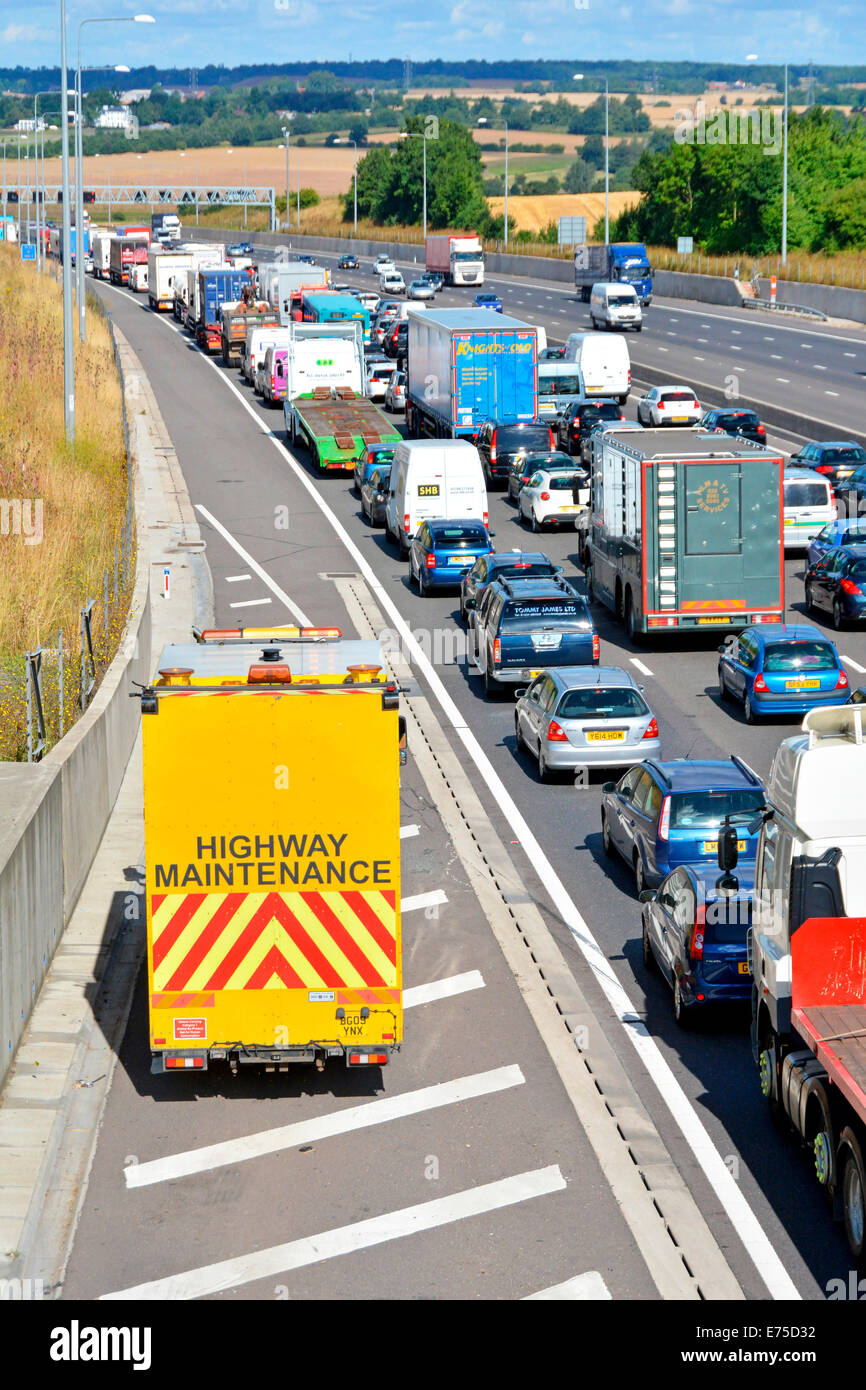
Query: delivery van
[(433, 478), (809, 506), (258, 341), (615, 306), (603, 363)]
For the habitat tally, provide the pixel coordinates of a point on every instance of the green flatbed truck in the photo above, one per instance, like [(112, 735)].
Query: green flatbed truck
[(336, 425)]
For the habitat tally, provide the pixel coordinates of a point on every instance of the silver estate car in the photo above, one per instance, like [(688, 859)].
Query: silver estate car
[(585, 716)]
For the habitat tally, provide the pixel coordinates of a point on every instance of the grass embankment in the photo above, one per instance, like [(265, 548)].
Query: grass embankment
[(62, 508)]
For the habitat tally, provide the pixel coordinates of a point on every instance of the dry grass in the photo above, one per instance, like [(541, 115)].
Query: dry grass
[(79, 492), (847, 268), (532, 214)]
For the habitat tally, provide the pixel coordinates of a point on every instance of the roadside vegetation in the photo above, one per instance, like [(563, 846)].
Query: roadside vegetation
[(62, 509)]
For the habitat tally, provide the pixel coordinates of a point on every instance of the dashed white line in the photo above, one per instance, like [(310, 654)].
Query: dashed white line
[(407, 831), (662, 349), (442, 989), (644, 670), (850, 354), (775, 356), (856, 664), (252, 603), (344, 1240), (699, 359), (831, 393), (769, 338), (583, 1286), (702, 340), (816, 366), (237, 578), (807, 346), (737, 331), (253, 564), (735, 347), (784, 379), (420, 900), (354, 1117)]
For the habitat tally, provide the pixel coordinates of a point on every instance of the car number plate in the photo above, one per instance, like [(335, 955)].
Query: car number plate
[(568, 509), (713, 620), (743, 967), (712, 846), (680, 419), (606, 736), (802, 685), (460, 559)]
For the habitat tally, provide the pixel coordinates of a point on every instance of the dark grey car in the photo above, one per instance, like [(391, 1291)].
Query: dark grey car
[(374, 496)]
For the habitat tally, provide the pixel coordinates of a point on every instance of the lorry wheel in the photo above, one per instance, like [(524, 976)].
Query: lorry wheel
[(768, 1074), (854, 1196), (631, 630)]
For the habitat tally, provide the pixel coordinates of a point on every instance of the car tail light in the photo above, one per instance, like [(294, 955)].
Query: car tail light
[(849, 587), (555, 733), (842, 682), (652, 729), (431, 561), (545, 496), (406, 523), (761, 685), (524, 477), (823, 468), (497, 650), (665, 819), (759, 429), (696, 405), (493, 449), (696, 945), (596, 646)]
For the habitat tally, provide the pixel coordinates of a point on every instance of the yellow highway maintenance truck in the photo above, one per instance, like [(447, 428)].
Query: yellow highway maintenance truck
[(272, 832)]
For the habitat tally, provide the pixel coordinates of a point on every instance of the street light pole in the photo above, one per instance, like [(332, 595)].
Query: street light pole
[(785, 175), (68, 349), (606, 163), (506, 185), (287, 134), (355, 143)]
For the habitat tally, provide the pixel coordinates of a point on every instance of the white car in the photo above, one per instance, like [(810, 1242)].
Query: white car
[(669, 405), (420, 289), (382, 265), (392, 282), (395, 392), (368, 300), (548, 498), (379, 373)]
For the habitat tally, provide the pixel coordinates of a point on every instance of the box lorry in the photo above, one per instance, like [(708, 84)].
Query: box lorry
[(100, 251), (273, 867), (684, 531), (624, 261), (165, 227), (466, 366), (216, 286), (55, 242), (458, 256), (124, 253), (807, 951), (164, 269), (201, 254)]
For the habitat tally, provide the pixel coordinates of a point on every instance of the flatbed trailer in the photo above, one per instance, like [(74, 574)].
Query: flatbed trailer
[(337, 425)]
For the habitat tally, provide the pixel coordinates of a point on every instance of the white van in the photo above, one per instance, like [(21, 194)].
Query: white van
[(603, 363), (808, 506), (258, 341), (615, 305), (432, 478)]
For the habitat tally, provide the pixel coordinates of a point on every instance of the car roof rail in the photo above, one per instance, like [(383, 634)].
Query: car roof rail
[(658, 770), (746, 770)]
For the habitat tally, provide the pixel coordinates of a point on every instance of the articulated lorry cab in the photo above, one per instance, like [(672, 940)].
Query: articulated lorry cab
[(625, 262), (807, 952), (272, 834)]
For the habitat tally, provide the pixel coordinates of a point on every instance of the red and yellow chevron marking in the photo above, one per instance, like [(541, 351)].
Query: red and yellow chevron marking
[(183, 1001), (328, 940)]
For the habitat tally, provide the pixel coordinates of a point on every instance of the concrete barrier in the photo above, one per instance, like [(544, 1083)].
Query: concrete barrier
[(53, 815), (705, 289), (833, 300)]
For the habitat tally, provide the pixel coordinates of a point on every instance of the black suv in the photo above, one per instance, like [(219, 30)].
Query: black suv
[(574, 424), (523, 626), (396, 341), (500, 442), (744, 423)]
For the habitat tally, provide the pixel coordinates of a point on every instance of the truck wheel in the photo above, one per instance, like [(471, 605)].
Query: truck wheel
[(631, 629), (854, 1196), (768, 1074)]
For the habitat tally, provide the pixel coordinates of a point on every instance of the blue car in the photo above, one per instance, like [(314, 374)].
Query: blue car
[(837, 583), (781, 668), (836, 533), (508, 564), (663, 814), (442, 551), (696, 936), (488, 301), (373, 456), (525, 626)]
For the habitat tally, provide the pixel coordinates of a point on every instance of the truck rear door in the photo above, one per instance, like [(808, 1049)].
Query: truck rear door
[(514, 379)]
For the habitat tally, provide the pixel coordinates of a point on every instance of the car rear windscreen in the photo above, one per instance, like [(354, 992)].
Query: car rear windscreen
[(739, 419), (843, 456), (559, 615), (707, 810), (565, 482), (677, 396), (799, 656), (558, 385), (460, 535), (728, 920), (525, 569), (592, 413), (514, 437), (595, 702), (807, 495)]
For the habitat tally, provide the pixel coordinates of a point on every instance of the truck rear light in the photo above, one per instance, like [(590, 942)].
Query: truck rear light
[(184, 1061), (555, 733), (497, 650), (661, 622), (842, 682), (760, 685), (406, 523), (431, 561), (849, 587), (665, 820), (269, 673), (485, 517), (373, 1059), (596, 646), (652, 729), (696, 945)]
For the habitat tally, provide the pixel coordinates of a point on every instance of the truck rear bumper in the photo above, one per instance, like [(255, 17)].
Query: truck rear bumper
[(190, 1059)]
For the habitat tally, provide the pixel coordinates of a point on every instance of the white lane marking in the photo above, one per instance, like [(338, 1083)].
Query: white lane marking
[(780, 328), (737, 331), (583, 1286), (442, 989), (775, 356), (769, 338), (850, 354), (644, 670), (705, 325), (361, 1235), (746, 1225), (851, 662), (831, 393), (251, 603), (253, 564), (816, 367), (703, 340), (237, 578), (735, 347), (807, 346), (423, 900), (671, 335), (662, 349), (354, 1117), (408, 831), (785, 379), (699, 359)]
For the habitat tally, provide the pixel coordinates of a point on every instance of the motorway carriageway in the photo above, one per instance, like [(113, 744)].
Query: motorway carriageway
[(242, 482)]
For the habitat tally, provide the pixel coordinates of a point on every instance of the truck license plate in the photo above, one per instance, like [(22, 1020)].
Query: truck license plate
[(713, 620), (606, 736)]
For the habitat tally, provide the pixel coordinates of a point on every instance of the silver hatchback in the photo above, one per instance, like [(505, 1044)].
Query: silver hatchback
[(585, 716)]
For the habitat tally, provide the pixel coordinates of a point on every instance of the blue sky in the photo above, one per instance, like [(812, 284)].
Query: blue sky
[(191, 33)]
